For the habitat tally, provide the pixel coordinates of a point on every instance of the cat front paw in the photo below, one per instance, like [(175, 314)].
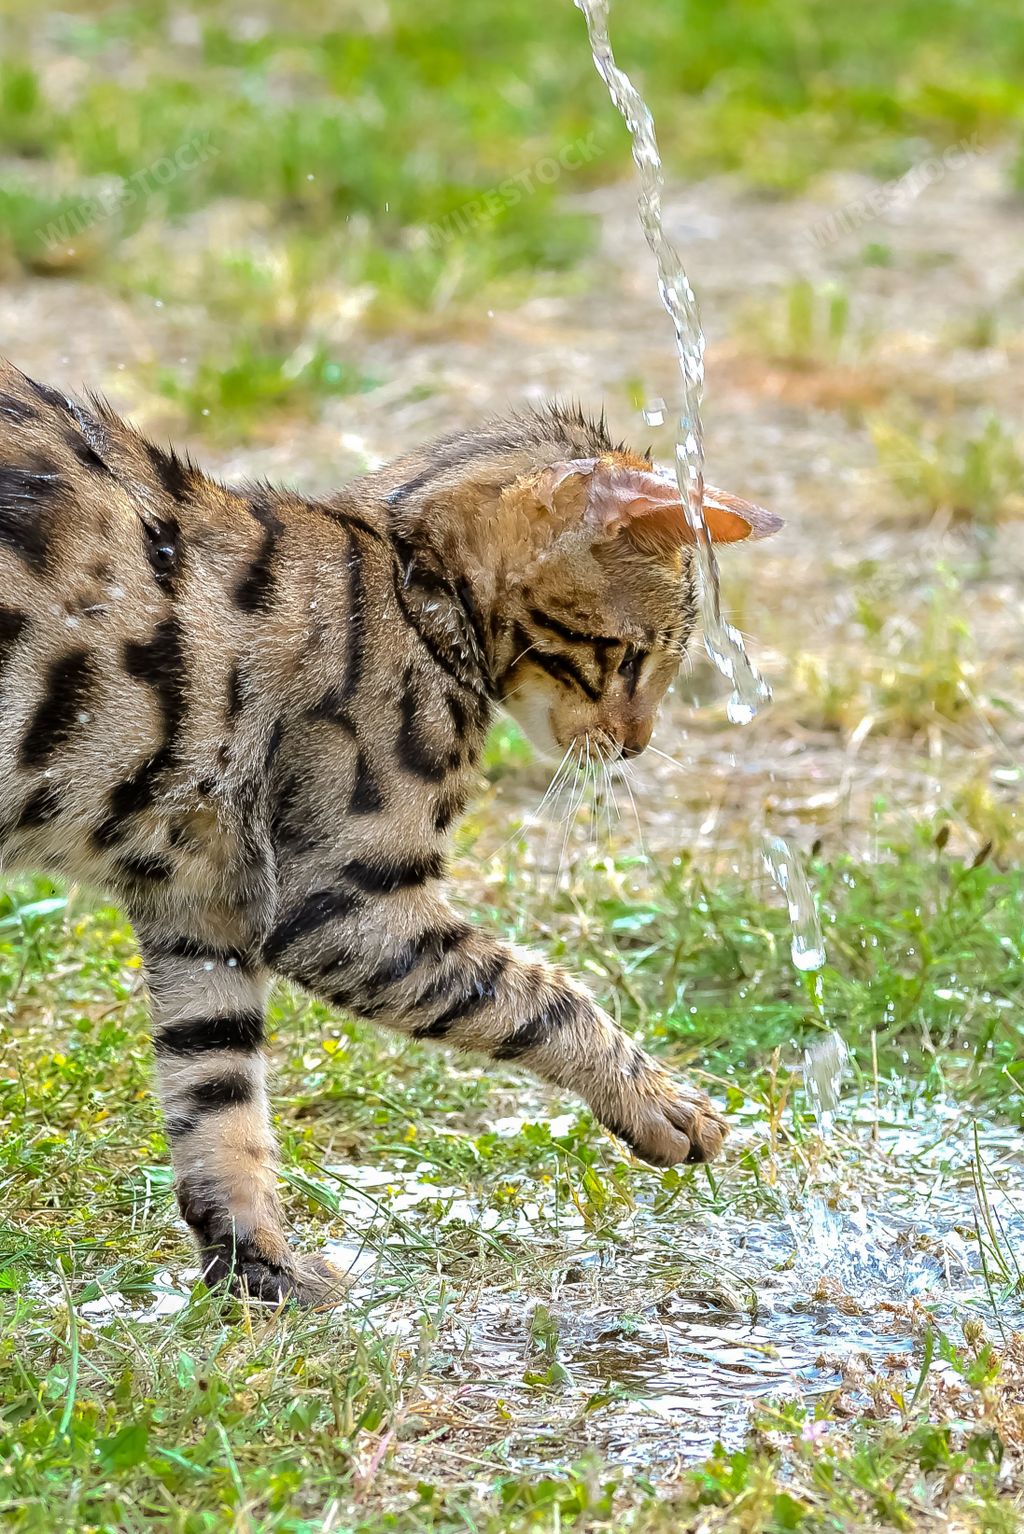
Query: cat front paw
[(667, 1123), (302, 1280)]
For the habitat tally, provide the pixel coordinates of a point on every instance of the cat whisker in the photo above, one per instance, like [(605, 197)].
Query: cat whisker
[(579, 790), (627, 775), (673, 761)]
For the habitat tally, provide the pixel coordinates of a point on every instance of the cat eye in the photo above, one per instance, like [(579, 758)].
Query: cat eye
[(630, 665)]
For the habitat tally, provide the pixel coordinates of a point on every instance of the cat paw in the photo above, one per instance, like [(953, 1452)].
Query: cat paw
[(302, 1280), (669, 1123)]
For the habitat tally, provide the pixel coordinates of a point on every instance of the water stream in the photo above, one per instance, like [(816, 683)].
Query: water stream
[(857, 1263), (723, 642)]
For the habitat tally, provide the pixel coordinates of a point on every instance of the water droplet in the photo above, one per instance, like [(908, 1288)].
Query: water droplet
[(654, 412), (824, 1068), (808, 945)]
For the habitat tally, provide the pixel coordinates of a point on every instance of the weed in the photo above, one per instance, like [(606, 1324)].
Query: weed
[(973, 476)]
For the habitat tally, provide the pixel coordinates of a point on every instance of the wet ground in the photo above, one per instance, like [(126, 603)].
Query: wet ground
[(650, 1335)]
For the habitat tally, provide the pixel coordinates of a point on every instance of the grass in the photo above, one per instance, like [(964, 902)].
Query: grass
[(405, 123), (526, 1350), (970, 474), (213, 1418), (912, 663), (803, 326)]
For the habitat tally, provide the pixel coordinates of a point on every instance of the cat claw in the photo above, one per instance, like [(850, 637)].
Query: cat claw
[(311, 1282), (673, 1125)]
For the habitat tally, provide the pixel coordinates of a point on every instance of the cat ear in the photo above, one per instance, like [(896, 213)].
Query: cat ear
[(729, 519), (645, 503)]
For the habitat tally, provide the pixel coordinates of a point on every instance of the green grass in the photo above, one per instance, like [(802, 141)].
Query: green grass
[(970, 474), (212, 1419), (339, 188), (406, 122)]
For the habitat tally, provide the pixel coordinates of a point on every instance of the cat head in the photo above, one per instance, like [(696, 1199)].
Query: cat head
[(580, 561), (595, 623)]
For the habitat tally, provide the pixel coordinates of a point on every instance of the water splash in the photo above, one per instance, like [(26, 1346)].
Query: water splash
[(807, 946), (722, 641), (824, 1069)]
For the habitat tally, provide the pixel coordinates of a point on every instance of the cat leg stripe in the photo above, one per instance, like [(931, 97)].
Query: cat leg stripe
[(230, 1089), (200, 1035), (560, 1012)]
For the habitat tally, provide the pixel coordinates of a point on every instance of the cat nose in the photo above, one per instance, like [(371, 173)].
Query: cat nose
[(635, 736)]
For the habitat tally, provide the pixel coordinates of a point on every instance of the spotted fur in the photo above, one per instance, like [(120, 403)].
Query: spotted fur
[(254, 717)]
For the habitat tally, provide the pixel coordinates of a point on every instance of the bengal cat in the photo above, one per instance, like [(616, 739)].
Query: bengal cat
[(253, 717)]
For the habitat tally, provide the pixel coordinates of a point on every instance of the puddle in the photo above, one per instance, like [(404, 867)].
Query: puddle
[(656, 1341), (653, 1338)]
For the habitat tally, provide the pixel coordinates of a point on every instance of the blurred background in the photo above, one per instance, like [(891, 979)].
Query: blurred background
[(302, 240), (298, 239)]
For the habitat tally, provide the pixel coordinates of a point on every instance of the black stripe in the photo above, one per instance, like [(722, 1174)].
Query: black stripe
[(195, 950), (160, 662), (69, 683), (432, 945), (342, 955), (456, 667), (450, 804), (200, 1035), (12, 626), (467, 599), (16, 409), (420, 756), (176, 476), (573, 636), (331, 709), (461, 715), (292, 826), (85, 452), (388, 875), (131, 796), (27, 497), (224, 1091), (178, 1125), (42, 806), (456, 454), (350, 521), (566, 671), (356, 620), (147, 868), (255, 590), (319, 908), (562, 1010), (51, 396), (367, 797), (236, 694), (478, 992), (163, 550), (631, 666)]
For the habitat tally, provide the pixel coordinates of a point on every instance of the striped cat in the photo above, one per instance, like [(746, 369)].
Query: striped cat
[(254, 718)]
